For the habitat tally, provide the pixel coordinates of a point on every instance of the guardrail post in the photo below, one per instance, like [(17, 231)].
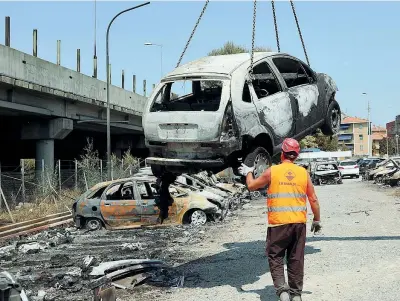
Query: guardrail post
[(8, 32), (134, 83), (35, 42), (58, 52), (78, 60)]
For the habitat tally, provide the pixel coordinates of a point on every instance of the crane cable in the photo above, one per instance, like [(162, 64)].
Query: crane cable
[(253, 37), (298, 28), (193, 31), (276, 25)]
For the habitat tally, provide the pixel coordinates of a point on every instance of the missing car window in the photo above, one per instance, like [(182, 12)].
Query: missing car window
[(189, 95)]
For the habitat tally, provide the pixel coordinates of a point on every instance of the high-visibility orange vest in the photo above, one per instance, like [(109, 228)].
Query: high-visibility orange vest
[(287, 198)]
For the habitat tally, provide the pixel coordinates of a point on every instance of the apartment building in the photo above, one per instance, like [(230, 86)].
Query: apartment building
[(353, 135), (393, 127), (378, 134)]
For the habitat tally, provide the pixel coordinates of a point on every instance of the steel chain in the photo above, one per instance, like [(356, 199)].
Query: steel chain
[(253, 39), (298, 28), (192, 34), (276, 25)]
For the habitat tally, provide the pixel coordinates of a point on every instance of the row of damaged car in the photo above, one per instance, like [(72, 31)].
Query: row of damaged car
[(134, 202), (386, 172)]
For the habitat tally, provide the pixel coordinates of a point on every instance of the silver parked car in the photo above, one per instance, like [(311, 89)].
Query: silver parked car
[(207, 114)]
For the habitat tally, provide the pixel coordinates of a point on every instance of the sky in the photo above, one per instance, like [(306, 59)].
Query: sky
[(357, 43)]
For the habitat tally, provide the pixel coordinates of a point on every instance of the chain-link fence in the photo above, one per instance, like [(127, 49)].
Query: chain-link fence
[(31, 181)]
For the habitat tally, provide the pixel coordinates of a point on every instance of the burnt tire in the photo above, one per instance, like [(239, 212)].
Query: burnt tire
[(260, 158), (93, 224), (332, 120)]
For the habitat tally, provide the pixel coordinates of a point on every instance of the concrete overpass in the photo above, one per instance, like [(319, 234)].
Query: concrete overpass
[(47, 111)]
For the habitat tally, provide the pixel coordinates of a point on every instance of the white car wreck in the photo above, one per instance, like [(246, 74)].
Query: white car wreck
[(208, 114)]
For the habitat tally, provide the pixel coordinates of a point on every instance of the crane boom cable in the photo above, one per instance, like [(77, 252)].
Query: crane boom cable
[(192, 34), (299, 30), (276, 25), (253, 37)]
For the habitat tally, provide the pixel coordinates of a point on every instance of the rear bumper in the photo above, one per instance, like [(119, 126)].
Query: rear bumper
[(348, 172), (185, 162)]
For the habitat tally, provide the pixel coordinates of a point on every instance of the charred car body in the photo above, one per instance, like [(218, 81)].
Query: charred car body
[(133, 202), (326, 173), (209, 115), (388, 172)]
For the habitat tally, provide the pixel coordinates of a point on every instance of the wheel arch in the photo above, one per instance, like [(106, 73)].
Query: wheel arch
[(187, 214), (262, 139)]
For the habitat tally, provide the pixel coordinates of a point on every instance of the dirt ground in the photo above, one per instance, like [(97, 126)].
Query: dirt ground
[(356, 257)]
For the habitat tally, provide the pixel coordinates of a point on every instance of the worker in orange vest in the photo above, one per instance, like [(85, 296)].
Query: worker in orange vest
[(289, 186)]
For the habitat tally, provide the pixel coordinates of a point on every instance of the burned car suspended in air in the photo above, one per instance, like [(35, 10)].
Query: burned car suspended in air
[(212, 113)]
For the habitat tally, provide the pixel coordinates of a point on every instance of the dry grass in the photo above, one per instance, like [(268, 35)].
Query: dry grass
[(40, 208)]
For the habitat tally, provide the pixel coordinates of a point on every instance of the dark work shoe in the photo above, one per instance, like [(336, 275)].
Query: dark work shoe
[(284, 297)]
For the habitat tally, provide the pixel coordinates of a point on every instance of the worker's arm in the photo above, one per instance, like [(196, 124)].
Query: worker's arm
[(313, 200), (260, 182)]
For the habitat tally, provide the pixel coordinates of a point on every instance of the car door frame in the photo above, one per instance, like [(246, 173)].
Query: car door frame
[(128, 218), (308, 123), (254, 99)]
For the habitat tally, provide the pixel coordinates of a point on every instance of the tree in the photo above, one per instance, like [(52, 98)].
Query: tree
[(383, 146), (231, 48), (319, 140)]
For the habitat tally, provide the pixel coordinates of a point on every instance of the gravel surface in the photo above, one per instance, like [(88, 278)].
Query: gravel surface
[(356, 257)]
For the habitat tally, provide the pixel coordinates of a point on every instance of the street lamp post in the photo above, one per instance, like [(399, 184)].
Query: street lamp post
[(108, 89), (161, 53), (369, 127)]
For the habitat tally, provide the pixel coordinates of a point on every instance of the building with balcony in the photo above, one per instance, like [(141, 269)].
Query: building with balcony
[(353, 135)]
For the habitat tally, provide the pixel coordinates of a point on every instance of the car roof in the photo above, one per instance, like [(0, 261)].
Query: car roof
[(133, 178), (218, 64)]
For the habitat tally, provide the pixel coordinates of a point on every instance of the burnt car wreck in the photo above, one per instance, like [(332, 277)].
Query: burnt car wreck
[(210, 114), (144, 200), (325, 173)]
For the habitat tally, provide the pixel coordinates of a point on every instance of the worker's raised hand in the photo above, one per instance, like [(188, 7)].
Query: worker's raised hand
[(244, 169), (316, 226)]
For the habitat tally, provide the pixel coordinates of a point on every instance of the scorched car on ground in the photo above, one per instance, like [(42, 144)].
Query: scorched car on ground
[(326, 173), (208, 115), (132, 202)]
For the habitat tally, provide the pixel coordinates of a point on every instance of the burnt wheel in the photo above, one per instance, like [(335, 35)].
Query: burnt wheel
[(260, 159), (198, 218), (332, 120), (93, 224)]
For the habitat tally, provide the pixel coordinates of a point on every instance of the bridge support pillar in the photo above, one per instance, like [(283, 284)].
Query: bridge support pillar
[(45, 132), (45, 154)]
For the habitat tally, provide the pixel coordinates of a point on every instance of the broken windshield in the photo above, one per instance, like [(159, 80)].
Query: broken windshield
[(189, 95)]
